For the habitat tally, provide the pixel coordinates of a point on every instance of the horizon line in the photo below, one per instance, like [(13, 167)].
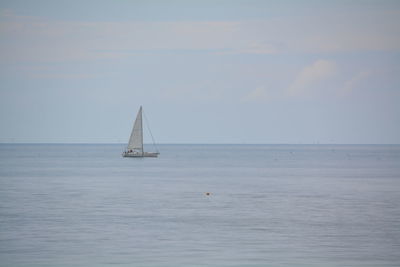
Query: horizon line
[(112, 143)]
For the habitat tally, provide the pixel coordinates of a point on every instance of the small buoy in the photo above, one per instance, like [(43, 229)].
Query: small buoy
[(208, 193)]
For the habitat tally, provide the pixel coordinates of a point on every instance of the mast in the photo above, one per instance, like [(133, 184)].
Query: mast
[(141, 127)]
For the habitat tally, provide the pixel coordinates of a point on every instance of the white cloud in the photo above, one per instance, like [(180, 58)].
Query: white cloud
[(258, 94), (310, 76), (39, 39), (350, 85)]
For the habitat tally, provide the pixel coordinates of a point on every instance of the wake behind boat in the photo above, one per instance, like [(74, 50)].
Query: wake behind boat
[(135, 145)]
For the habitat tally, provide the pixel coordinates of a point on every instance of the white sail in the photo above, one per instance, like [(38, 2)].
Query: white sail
[(136, 139)]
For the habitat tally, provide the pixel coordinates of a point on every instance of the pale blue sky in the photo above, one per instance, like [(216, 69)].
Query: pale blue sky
[(204, 71)]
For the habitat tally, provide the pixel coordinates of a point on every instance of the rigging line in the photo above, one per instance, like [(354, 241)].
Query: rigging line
[(148, 128)]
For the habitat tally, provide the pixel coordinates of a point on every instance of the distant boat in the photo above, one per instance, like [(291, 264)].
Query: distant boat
[(135, 145)]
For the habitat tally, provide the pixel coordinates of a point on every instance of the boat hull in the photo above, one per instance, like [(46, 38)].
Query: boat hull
[(140, 155)]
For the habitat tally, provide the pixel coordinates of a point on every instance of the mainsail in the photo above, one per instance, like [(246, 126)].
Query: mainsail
[(136, 139)]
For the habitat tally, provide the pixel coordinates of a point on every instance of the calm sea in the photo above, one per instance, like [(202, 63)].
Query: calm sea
[(269, 205)]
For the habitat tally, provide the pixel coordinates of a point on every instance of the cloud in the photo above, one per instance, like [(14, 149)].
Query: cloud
[(352, 84), (310, 76), (41, 39), (258, 94)]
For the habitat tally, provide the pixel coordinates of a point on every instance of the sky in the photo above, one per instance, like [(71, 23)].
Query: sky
[(245, 72)]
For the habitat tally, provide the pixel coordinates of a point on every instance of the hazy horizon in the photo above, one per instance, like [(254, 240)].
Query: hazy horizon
[(161, 144)]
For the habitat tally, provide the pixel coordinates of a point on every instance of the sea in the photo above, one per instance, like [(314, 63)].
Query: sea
[(200, 205)]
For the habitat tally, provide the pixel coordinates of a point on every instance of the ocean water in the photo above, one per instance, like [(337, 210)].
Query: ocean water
[(269, 205)]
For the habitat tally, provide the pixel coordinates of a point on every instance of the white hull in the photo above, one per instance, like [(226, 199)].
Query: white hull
[(140, 155)]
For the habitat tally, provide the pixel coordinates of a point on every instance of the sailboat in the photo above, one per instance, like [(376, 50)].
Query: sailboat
[(135, 145)]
